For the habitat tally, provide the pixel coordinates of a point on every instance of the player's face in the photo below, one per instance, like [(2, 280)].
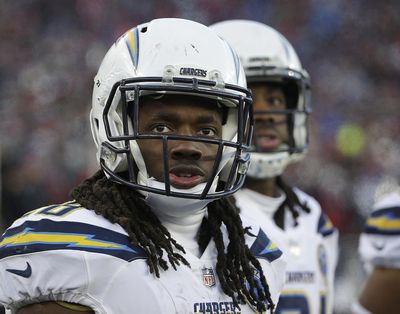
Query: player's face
[(271, 129), (190, 163)]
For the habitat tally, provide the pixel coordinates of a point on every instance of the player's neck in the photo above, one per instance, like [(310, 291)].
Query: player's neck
[(184, 228), (266, 187)]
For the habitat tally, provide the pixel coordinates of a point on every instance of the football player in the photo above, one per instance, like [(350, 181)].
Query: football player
[(153, 231), (379, 248), (294, 220)]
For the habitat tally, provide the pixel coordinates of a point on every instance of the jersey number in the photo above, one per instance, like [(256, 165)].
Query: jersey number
[(56, 210)]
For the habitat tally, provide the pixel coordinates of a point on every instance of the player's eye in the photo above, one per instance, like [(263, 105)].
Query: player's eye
[(209, 132), (276, 102), (161, 128)]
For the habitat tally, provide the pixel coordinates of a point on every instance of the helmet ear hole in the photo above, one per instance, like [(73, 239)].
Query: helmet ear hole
[(95, 128)]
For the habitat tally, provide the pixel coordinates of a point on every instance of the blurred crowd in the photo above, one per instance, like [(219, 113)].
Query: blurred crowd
[(50, 51)]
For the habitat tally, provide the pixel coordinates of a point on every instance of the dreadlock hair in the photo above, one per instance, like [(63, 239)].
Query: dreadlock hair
[(235, 266), (291, 202)]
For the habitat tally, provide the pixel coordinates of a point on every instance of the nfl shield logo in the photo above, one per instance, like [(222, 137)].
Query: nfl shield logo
[(208, 277)]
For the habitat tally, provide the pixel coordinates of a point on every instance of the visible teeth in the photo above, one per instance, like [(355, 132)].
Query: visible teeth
[(186, 175)]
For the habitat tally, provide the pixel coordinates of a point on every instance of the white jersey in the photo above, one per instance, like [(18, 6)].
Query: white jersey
[(380, 241), (311, 250), (68, 253)]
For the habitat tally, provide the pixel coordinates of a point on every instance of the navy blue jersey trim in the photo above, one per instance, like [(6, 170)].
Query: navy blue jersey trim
[(263, 247), (390, 212), (385, 221), (325, 226), (46, 235)]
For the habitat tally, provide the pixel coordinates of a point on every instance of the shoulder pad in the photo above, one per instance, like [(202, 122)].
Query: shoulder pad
[(46, 235), (384, 221)]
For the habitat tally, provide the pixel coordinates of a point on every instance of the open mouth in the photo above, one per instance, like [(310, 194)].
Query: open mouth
[(186, 177), (267, 142)]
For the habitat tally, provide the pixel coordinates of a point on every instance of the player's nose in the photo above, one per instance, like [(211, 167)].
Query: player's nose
[(265, 117), (185, 150)]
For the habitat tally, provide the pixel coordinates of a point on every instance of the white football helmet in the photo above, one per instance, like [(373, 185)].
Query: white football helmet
[(170, 56), (267, 56)]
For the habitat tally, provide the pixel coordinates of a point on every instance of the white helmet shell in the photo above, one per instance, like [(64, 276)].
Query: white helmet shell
[(169, 56), (267, 56)]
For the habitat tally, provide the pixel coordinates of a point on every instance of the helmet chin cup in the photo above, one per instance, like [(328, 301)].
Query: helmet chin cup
[(267, 166)]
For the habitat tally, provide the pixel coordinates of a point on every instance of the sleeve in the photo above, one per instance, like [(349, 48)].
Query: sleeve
[(380, 241), (44, 276), (47, 260), (36, 266)]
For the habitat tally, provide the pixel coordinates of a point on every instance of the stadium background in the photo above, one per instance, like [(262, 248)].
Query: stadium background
[(50, 51)]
